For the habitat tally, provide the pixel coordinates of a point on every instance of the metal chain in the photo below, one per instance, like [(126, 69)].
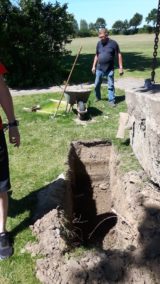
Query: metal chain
[(157, 30)]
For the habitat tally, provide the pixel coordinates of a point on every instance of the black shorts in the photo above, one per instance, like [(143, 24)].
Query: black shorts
[(4, 165)]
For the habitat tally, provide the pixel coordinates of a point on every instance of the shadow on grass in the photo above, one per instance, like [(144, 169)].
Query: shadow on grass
[(82, 71), (126, 142), (120, 99), (91, 112), (132, 61), (37, 203)]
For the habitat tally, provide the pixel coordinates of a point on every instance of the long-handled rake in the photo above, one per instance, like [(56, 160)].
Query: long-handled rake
[(68, 80)]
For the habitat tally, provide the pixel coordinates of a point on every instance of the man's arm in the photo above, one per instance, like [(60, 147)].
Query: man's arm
[(120, 63), (7, 105), (94, 64)]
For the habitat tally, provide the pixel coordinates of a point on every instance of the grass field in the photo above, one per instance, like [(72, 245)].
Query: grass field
[(45, 143), (137, 51)]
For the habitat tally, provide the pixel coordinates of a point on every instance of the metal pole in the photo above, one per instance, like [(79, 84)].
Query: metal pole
[(157, 30)]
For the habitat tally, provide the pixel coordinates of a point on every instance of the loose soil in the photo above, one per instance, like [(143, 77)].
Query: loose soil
[(101, 226)]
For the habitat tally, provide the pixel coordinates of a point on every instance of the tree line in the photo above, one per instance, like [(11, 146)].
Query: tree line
[(125, 27), (34, 35)]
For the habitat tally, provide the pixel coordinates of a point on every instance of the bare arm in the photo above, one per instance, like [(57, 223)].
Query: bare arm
[(120, 63), (94, 64), (7, 105), (6, 100)]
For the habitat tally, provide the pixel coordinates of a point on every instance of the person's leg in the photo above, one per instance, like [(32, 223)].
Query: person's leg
[(6, 249), (111, 89), (3, 211), (98, 82)]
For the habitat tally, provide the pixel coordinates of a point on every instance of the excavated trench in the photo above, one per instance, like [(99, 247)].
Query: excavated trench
[(116, 214), (88, 194)]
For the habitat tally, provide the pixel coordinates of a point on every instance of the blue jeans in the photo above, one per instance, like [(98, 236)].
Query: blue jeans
[(98, 81)]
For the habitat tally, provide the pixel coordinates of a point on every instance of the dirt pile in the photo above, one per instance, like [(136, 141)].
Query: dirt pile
[(129, 252)]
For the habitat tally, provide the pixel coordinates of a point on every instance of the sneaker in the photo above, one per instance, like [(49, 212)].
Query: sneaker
[(112, 104), (6, 249)]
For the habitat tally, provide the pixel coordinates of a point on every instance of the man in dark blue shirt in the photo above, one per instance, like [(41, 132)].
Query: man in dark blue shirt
[(103, 64)]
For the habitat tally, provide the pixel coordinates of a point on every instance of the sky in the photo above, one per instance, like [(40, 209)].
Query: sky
[(110, 10)]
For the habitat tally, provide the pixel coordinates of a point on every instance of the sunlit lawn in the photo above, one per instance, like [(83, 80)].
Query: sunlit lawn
[(137, 51), (45, 143), (41, 158)]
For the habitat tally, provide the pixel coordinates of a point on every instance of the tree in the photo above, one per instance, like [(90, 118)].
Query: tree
[(84, 31), (118, 26), (75, 27), (33, 38), (152, 17), (100, 22), (125, 27), (136, 21), (92, 26), (83, 25)]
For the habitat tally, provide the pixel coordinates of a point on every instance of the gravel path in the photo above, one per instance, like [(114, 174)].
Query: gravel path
[(121, 83)]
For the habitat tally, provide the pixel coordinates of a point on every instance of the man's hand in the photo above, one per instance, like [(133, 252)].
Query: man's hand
[(14, 136), (93, 70), (121, 71)]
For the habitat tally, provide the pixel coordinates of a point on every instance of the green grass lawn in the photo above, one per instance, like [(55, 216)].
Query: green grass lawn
[(137, 51), (45, 143), (41, 158)]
